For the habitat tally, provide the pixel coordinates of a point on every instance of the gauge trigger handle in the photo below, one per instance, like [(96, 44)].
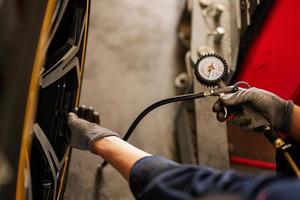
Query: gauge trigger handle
[(259, 122)]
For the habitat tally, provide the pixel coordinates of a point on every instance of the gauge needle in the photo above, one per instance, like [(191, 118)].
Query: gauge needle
[(210, 68)]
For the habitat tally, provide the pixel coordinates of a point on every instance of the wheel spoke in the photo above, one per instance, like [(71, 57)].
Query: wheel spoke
[(59, 83), (59, 71), (52, 158), (57, 17), (65, 54), (54, 163)]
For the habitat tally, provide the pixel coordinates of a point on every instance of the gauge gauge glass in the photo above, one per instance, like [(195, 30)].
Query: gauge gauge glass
[(211, 68)]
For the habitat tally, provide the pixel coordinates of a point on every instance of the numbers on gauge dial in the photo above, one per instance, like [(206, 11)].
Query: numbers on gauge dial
[(211, 68)]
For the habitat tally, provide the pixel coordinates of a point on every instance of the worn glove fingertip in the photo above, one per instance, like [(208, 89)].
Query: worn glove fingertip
[(217, 107), (96, 118), (71, 117), (82, 111), (221, 117), (75, 110)]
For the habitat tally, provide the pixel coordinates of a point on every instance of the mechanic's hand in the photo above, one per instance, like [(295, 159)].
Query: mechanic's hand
[(276, 110), (84, 133), (88, 114)]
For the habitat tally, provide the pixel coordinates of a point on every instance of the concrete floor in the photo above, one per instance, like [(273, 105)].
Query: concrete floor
[(132, 60)]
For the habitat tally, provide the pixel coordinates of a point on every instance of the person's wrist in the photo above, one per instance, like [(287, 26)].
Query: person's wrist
[(103, 144), (99, 134)]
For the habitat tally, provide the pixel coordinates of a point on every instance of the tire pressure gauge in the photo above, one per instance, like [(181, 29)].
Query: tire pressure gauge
[(210, 69)]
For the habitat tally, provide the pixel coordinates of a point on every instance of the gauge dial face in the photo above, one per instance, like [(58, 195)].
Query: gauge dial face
[(210, 69)]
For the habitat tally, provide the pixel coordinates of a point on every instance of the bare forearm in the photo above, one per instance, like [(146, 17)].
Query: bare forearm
[(295, 129), (120, 154)]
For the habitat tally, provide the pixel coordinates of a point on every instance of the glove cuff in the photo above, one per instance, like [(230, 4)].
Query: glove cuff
[(287, 119), (94, 137)]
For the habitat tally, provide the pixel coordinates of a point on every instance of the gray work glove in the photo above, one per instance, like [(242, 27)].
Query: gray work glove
[(277, 111), (83, 134)]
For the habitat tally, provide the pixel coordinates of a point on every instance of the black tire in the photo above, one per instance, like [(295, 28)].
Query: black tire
[(35, 165), (60, 84)]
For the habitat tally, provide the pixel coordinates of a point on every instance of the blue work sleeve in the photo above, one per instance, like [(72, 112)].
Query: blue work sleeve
[(158, 178)]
